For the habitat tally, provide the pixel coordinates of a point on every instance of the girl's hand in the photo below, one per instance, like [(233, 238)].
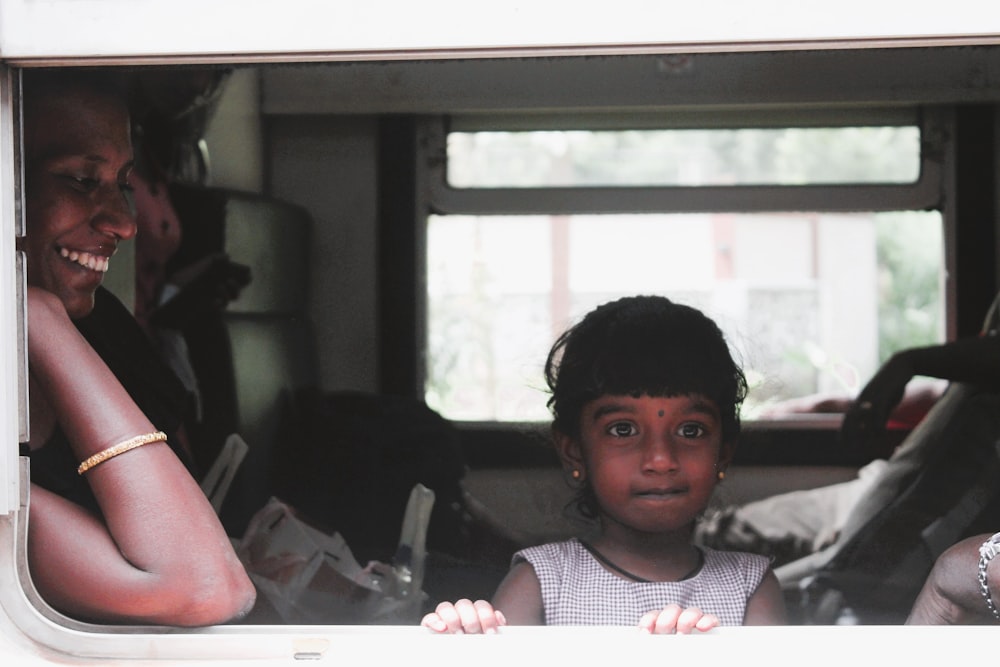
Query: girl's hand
[(672, 619), (465, 617)]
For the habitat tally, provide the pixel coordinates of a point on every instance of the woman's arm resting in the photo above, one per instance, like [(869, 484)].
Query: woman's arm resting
[(159, 555)]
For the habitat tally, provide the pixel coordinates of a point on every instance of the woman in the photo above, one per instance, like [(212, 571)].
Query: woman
[(151, 549)]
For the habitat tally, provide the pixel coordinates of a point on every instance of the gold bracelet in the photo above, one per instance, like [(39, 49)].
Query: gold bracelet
[(120, 448)]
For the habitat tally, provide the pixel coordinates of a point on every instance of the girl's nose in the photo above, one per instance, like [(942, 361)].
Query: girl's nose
[(116, 214), (659, 455)]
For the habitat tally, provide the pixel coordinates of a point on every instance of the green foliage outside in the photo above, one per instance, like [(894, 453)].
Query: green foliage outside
[(910, 260), (909, 248)]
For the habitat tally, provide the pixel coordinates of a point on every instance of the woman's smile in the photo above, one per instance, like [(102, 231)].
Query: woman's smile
[(88, 260)]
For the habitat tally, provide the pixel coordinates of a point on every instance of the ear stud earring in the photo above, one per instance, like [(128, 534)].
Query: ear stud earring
[(721, 475), (576, 474)]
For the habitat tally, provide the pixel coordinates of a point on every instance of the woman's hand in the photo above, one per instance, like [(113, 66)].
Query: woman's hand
[(465, 617), (674, 620)]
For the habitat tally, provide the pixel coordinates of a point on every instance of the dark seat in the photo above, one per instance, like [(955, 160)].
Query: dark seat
[(261, 348), (345, 461), (940, 485)]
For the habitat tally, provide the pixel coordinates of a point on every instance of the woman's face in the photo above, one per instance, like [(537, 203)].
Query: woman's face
[(78, 157)]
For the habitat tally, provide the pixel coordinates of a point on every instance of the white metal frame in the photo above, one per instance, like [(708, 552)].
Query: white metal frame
[(77, 32), (926, 192), (61, 31)]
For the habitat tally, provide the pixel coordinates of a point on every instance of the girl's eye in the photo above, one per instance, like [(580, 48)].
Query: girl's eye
[(691, 430), (622, 429)]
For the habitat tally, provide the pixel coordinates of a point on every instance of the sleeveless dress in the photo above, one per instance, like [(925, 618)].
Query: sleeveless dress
[(578, 590)]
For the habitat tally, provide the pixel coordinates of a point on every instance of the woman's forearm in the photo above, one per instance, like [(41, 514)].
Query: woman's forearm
[(159, 552)]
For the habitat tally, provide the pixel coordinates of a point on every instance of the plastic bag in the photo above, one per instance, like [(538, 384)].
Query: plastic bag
[(311, 577)]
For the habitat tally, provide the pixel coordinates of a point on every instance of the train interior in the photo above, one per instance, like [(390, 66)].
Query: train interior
[(418, 233)]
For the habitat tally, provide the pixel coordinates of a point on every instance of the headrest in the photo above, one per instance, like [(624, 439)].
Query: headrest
[(991, 324), (268, 235), (271, 237)]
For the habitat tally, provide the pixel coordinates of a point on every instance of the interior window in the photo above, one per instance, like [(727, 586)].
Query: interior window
[(744, 156), (781, 283)]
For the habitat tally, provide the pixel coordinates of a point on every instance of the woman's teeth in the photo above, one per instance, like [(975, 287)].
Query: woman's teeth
[(86, 259)]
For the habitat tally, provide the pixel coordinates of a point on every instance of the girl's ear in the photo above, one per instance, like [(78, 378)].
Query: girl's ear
[(569, 452), (726, 452)]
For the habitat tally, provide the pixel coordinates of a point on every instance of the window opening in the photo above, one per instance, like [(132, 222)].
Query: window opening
[(811, 302), (745, 156), (819, 250)]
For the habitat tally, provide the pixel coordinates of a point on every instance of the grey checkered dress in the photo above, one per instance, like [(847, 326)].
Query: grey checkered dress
[(578, 590)]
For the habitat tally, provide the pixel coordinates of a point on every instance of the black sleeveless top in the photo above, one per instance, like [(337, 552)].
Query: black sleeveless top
[(115, 335)]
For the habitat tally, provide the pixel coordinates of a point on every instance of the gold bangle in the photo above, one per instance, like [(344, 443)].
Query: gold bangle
[(120, 448)]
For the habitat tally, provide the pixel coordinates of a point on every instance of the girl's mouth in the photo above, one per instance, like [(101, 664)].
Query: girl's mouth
[(661, 493), (87, 260)]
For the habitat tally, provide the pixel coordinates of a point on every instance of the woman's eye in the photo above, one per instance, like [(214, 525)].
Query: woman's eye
[(621, 429), (691, 430), (128, 192), (82, 183)]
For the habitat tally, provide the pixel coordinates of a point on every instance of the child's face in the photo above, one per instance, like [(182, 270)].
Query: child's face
[(652, 462)]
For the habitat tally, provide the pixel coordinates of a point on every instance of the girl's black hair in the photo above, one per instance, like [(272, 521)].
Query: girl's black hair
[(643, 345)]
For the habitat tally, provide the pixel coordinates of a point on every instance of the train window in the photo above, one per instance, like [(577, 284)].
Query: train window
[(749, 156), (781, 234), (813, 213)]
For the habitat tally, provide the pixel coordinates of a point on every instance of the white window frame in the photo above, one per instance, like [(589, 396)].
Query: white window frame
[(926, 192), (75, 32)]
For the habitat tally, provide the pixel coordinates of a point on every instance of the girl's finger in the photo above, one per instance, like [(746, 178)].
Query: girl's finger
[(688, 620), (450, 617), (666, 620), (707, 622), (433, 622), (489, 618), (469, 616)]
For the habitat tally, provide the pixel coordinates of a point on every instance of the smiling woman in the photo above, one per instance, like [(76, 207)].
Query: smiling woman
[(154, 549), (78, 156)]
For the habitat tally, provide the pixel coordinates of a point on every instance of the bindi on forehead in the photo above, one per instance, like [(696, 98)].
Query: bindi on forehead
[(659, 413)]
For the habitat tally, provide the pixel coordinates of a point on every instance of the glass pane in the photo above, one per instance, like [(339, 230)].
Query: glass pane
[(785, 156), (810, 302)]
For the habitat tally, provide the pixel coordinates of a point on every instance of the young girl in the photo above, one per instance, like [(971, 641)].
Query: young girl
[(645, 403)]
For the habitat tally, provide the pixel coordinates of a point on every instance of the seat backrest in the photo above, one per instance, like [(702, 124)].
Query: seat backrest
[(941, 484), (262, 347), (352, 459), (944, 485)]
